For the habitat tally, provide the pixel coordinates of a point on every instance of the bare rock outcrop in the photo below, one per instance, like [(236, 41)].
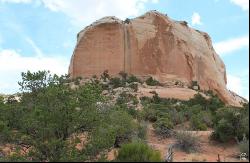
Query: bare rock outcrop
[(151, 45)]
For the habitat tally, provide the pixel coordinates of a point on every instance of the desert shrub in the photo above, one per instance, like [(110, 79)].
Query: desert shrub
[(150, 114), (226, 113), (184, 114), (197, 123), (102, 137), (156, 99), (215, 103), (188, 142), (207, 118), (52, 150), (192, 110), (77, 81), (244, 126), (1, 101), (142, 130), (152, 82), (177, 117), (116, 82), (115, 129), (14, 158), (137, 152), (224, 131), (5, 133), (126, 98), (244, 122), (212, 104), (11, 100), (50, 111), (133, 112), (198, 99), (145, 101), (133, 79), (72, 154), (244, 146), (105, 75), (196, 109), (124, 126), (163, 127), (200, 120), (230, 123), (134, 86)]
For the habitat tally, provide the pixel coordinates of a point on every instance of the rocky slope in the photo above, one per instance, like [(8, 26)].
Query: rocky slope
[(151, 45)]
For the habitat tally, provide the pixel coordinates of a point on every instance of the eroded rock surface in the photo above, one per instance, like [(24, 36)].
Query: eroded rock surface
[(151, 45)]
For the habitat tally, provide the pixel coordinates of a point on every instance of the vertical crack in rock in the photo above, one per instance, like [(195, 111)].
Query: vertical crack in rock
[(190, 64), (127, 49)]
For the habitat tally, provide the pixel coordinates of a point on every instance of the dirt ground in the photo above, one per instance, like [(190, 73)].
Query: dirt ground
[(208, 152), (176, 93)]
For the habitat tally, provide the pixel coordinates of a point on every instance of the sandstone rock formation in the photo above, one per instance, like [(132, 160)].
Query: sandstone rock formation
[(150, 45)]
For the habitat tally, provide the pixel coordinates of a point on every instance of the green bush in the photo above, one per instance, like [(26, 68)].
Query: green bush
[(224, 131), (152, 82), (49, 112), (14, 158), (52, 150), (5, 133), (188, 142), (192, 110), (126, 98), (207, 118), (156, 99), (134, 86), (116, 82), (142, 130), (102, 138), (150, 114), (177, 117), (115, 129), (138, 152), (230, 123), (197, 123), (1, 101), (201, 120), (124, 126), (163, 127), (133, 79), (211, 104), (215, 103), (133, 112), (244, 126)]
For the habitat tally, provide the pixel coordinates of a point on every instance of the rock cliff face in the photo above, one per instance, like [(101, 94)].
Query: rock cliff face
[(150, 45)]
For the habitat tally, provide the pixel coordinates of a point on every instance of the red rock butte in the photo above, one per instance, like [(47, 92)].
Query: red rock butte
[(151, 45)]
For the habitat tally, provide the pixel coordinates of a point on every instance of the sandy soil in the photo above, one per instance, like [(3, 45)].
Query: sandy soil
[(209, 150), (176, 93)]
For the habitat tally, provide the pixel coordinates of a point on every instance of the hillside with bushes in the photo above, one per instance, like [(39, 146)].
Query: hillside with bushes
[(55, 118)]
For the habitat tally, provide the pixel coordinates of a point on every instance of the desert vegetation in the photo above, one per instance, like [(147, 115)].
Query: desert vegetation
[(50, 111), (43, 122), (138, 152)]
